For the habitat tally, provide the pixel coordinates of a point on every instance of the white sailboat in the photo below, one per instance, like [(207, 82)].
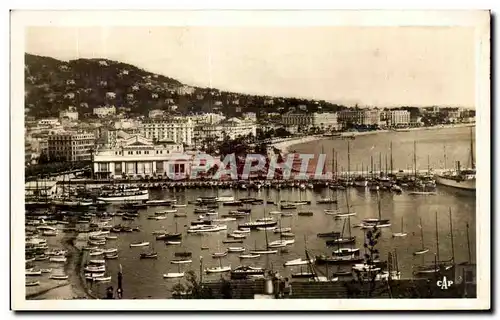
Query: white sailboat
[(402, 233), (423, 250), (220, 268), (370, 223)]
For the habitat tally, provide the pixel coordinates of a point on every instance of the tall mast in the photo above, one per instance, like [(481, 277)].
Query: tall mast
[(444, 149), (348, 159), (391, 160), (385, 169), (336, 164), (371, 165), (380, 163), (472, 150), (468, 243), (437, 237), (422, 238), (333, 160), (428, 164), (452, 243), (415, 157), (379, 208)]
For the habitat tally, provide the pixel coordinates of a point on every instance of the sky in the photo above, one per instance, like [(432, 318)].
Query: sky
[(369, 66)]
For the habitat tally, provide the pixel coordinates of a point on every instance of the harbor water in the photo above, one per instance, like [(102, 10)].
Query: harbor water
[(143, 278)]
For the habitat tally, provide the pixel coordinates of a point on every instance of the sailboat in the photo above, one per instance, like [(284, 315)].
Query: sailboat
[(267, 249), (219, 253), (370, 223), (220, 268), (423, 250), (342, 239), (170, 236), (438, 265), (151, 254), (281, 242), (177, 274), (402, 233), (348, 213)]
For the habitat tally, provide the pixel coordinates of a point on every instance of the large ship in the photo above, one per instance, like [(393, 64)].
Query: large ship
[(125, 195), (458, 178)]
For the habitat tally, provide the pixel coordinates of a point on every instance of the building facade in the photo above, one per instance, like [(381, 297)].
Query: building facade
[(138, 157), (70, 114), (178, 130), (103, 112), (48, 122), (399, 118), (366, 117), (324, 121), (71, 146), (230, 128)]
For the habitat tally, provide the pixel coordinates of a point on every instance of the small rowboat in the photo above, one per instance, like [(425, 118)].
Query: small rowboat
[(242, 230), (102, 279), (235, 249), (219, 254), (111, 256), (305, 213), (172, 242), (111, 237), (58, 259), (218, 269), (109, 250), (237, 236), (249, 256), (32, 283), (173, 275), (179, 215), (139, 244), (419, 252), (179, 205), (288, 235), (30, 272), (98, 261), (58, 277), (181, 261), (232, 241)]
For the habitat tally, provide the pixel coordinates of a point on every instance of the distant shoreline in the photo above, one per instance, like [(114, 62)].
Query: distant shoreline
[(285, 146)]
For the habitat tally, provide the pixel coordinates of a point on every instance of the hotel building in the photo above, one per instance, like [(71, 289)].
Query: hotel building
[(71, 146), (178, 130), (325, 121)]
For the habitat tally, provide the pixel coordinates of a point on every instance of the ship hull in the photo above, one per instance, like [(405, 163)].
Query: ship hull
[(464, 185), (143, 196)]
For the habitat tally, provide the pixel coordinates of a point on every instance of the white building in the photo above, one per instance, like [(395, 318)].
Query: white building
[(250, 116), (48, 122), (179, 130), (207, 118), (360, 116), (156, 113), (70, 114), (324, 121), (185, 90), (231, 128), (399, 117), (138, 157), (102, 112)]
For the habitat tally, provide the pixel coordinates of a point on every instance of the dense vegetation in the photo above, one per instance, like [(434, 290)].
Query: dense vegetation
[(53, 85)]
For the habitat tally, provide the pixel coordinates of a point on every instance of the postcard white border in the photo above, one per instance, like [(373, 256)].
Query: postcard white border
[(476, 19)]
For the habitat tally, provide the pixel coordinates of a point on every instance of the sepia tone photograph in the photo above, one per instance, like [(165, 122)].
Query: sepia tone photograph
[(237, 155)]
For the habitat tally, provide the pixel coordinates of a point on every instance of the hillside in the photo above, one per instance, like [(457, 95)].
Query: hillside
[(52, 85)]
